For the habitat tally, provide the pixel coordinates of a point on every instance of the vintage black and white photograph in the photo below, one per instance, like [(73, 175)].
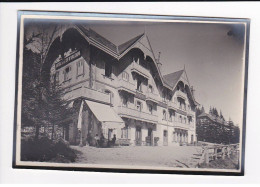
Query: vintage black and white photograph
[(131, 92)]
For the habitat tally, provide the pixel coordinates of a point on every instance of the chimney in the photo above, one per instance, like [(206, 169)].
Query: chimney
[(159, 64)]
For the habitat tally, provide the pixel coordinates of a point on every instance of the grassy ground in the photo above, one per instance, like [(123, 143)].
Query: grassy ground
[(180, 157)]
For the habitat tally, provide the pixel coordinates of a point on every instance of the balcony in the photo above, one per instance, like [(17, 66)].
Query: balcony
[(126, 86), (87, 93), (137, 68), (152, 97), (181, 125), (190, 113), (181, 94), (138, 115), (172, 105)]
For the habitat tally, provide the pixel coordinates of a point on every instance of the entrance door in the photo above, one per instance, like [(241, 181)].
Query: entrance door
[(66, 132), (138, 136), (165, 137), (110, 134), (150, 137), (191, 141)]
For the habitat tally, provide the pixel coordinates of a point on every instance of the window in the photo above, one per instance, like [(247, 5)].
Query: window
[(79, 68), (124, 133), (57, 77), (150, 108), (139, 85), (138, 105), (125, 76), (189, 119), (174, 137), (67, 74), (150, 89), (175, 100), (184, 119), (111, 96), (180, 119), (164, 96), (170, 115), (124, 101), (108, 70), (164, 114)]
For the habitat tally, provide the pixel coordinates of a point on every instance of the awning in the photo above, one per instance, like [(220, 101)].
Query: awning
[(112, 125), (104, 113)]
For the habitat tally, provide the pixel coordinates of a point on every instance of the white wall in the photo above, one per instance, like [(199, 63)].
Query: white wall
[(8, 25)]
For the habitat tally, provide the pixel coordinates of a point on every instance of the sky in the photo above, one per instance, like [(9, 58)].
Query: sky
[(212, 54)]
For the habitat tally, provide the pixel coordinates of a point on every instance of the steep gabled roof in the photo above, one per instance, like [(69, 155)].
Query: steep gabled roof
[(213, 118), (94, 35), (129, 43), (169, 80), (172, 78)]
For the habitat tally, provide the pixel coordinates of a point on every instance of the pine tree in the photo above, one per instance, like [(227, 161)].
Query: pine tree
[(202, 109), (57, 108), (36, 47)]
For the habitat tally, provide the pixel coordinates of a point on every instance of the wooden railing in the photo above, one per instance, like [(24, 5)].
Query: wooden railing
[(214, 152)]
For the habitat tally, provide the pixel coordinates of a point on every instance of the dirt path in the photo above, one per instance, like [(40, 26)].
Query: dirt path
[(183, 157)]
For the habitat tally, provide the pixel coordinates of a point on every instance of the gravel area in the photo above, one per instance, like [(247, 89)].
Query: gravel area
[(161, 156)]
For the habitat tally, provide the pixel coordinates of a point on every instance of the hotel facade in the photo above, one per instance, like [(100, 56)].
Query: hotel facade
[(120, 90)]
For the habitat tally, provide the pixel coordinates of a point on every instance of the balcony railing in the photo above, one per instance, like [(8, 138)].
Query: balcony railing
[(181, 94), (190, 112), (87, 93), (153, 97), (140, 70), (126, 86), (172, 105), (181, 125), (139, 115)]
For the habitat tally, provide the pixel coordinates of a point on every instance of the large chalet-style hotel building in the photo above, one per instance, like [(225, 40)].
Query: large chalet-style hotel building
[(120, 90)]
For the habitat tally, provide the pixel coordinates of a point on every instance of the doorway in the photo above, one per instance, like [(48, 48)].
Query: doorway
[(138, 136), (165, 137), (149, 140), (110, 134)]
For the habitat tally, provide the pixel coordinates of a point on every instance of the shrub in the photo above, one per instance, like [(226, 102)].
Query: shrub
[(44, 149)]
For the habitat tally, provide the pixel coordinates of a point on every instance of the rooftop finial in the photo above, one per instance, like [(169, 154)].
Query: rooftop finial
[(159, 55), (144, 29)]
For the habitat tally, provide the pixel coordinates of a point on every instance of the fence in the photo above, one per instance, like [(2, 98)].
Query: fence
[(214, 152)]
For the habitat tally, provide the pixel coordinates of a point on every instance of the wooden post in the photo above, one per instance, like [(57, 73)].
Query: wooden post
[(223, 153), (206, 156), (228, 151), (215, 153)]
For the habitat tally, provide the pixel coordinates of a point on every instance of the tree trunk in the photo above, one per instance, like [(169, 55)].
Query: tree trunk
[(52, 131), (37, 131)]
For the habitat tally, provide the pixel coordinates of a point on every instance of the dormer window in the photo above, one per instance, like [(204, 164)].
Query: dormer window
[(80, 68), (108, 70), (125, 76), (67, 73), (164, 96), (150, 89)]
